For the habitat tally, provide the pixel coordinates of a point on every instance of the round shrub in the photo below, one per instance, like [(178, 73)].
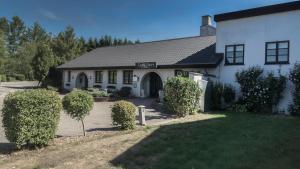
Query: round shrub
[(123, 115), (78, 104), (31, 117), (182, 96)]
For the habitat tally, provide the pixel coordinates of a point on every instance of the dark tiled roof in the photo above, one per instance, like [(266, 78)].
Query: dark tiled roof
[(284, 7), (183, 52)]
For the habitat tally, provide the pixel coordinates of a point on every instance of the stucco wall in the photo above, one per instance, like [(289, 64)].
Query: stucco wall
[(254, 32), (136, 89)]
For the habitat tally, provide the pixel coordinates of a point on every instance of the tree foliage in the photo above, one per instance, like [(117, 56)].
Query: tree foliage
[(19, 44), (78, 105), (42, 61)]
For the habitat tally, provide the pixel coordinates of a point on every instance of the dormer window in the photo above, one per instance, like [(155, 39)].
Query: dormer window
[(234, 54)]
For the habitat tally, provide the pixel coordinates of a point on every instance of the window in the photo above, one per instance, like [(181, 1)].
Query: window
[(127, 76), (234, 55), (69, 76), (112, 77), (98, 76), (277, 52), (181, 73)]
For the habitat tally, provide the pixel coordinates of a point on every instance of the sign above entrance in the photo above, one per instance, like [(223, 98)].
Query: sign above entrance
[(145, 65)]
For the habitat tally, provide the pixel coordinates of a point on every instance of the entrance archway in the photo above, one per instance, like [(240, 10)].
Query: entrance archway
[(151, 84), (81, 81)]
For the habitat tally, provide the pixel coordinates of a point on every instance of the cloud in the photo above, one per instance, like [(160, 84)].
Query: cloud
[(49, 15)]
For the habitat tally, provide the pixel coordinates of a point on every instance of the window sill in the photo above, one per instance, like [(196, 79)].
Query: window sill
[(234, 64), (127, 83), (277, 63)]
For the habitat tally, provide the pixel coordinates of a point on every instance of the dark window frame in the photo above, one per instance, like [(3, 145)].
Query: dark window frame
[(277, 53), (183, 73), (69, 76), (129, 79), (100, 79), (234, 54), (112, 79)]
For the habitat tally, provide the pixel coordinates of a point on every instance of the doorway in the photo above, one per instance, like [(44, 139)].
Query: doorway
[(151, 84), (82, 81)]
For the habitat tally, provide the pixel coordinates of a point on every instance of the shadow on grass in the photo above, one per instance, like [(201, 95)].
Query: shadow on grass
[(235, 141)]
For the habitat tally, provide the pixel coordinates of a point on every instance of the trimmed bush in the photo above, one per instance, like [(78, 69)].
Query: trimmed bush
[(182, 96), (78, 105), (31, 117), (123, 115)]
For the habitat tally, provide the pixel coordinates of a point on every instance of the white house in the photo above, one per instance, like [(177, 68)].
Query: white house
[(267, 36)]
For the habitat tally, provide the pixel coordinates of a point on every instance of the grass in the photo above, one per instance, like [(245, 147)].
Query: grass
[(202, 141), (235, 141)]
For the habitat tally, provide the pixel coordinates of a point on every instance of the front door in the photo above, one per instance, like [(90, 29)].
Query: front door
[(155, 85)]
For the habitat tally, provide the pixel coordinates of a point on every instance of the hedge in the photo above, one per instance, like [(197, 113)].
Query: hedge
[(182, 96), (31, 117), (123, 114)]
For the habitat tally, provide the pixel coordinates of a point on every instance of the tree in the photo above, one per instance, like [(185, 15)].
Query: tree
[(78, 105), (66, 46), (17, 34), (37, 33), (82, 45), (42, 61), (3, 52)]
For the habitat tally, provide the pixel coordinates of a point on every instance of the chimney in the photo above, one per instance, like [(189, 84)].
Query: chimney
[(206, 28)]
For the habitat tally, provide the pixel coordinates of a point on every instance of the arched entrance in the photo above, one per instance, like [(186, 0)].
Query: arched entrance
[(81, 81), (151, 84)]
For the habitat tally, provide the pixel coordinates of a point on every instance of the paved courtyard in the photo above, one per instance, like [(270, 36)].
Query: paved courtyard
[(98, 120)]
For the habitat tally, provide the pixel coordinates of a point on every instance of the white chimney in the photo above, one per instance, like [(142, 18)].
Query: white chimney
[(206, 28)]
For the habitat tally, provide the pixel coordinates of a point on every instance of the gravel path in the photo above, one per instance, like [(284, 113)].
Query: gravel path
[(99, 118)]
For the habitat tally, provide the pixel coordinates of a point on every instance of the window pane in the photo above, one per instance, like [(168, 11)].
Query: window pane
[(271, 46), (282, 58), (239, 54), (230, 49), (283, 52), (229, 54), (239, 48), (239, 60), (283, 45), (271, 58), (229, 60), (271, 52)]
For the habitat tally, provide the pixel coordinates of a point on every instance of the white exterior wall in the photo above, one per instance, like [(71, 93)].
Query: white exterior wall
[(140, 73), (254, 32)]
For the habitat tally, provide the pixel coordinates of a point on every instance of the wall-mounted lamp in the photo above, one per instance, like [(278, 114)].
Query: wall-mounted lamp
[(135, 78)]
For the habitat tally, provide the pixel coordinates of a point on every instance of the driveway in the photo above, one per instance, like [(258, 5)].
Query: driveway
[(99, 118)]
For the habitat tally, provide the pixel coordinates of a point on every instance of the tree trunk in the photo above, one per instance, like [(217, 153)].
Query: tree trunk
[(83, 129)]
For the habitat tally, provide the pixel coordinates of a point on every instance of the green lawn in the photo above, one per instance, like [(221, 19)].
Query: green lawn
[(233, 141)]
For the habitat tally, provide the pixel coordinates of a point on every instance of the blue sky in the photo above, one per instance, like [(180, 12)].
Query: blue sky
[(146, 20)]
